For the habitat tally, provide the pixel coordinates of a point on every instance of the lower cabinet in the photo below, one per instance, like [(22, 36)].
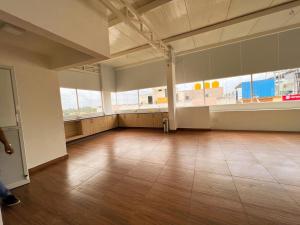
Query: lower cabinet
[(147, 120), (85, 127)]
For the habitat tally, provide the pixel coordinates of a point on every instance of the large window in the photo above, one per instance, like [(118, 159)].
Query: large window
[(127, 100), (226, 91), (140, 99), (69, 102), (277, 86), (89, 102), (76, 102), (190, 94), (153, 98)]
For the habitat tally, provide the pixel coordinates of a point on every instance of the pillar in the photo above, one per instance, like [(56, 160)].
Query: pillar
[(171, 87)]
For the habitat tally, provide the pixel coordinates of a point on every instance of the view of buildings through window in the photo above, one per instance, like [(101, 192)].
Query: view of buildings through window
[(76, 102), (278, 86), (140, 99), (275, 86)]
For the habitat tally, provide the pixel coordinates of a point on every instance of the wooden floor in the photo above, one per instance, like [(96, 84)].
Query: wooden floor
[(139, 177)]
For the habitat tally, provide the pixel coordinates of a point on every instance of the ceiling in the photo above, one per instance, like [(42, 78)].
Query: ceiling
[(56, 54), (178, 16)]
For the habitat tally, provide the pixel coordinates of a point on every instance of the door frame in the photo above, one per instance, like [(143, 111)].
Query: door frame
[(19, 127)]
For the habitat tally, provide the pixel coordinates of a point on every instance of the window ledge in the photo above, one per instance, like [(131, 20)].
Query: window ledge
[(256, 106), (152, 110), (68, 119)]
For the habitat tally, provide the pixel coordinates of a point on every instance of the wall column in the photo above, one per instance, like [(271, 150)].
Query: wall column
[(107, 85), (171, 87)]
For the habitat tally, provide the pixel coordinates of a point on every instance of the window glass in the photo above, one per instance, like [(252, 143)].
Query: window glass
[(69, 102), (190, 94), (232, 90), (89, 102), (153, 98), (127, 100), (77, 102), (283, 85)]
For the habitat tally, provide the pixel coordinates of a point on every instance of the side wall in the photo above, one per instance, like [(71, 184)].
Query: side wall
[(40, 107), (263, 120), (193, 117)]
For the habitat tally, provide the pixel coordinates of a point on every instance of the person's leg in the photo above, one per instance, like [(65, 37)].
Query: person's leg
[(7, 197), (4, 192)]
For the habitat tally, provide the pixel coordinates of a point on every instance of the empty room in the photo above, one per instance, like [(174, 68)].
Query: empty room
[(150, 112)]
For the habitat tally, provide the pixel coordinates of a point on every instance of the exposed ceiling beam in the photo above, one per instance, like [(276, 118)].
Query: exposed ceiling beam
[(215, 45), (113, 20), (219, 25), (134, 20)]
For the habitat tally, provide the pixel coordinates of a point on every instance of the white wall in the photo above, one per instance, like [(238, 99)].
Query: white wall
[(262, 120), (193, 117), (40, 107), (247, 119)]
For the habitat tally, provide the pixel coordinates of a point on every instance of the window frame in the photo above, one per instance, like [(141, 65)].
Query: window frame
[(78, 113)]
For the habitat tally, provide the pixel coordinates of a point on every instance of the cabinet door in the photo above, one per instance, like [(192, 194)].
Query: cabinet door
[(132, 120), (157, 120), (145, 120), (99, 124), (109, 122), (87, 126)]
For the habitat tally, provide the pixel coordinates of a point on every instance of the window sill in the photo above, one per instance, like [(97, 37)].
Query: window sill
[(68, 119), (150, 110), (256, 106)]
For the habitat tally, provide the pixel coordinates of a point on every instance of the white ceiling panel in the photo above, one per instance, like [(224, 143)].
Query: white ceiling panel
[(135, 57), (203, 12), (169, 19), (294, 18), (240, 7), (208, 38), (271, 22), (130, 33), (238, 30), (122, 37), (183, 44), (179, 16), (276, 2), (119, 41)]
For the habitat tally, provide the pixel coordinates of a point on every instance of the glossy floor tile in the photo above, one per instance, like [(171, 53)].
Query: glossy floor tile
[(145, 177)]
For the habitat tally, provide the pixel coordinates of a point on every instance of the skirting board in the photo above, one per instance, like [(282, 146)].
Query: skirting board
[(49, 163), (195, 129)]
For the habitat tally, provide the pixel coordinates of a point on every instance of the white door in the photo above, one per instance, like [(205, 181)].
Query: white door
[(13, 169)]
